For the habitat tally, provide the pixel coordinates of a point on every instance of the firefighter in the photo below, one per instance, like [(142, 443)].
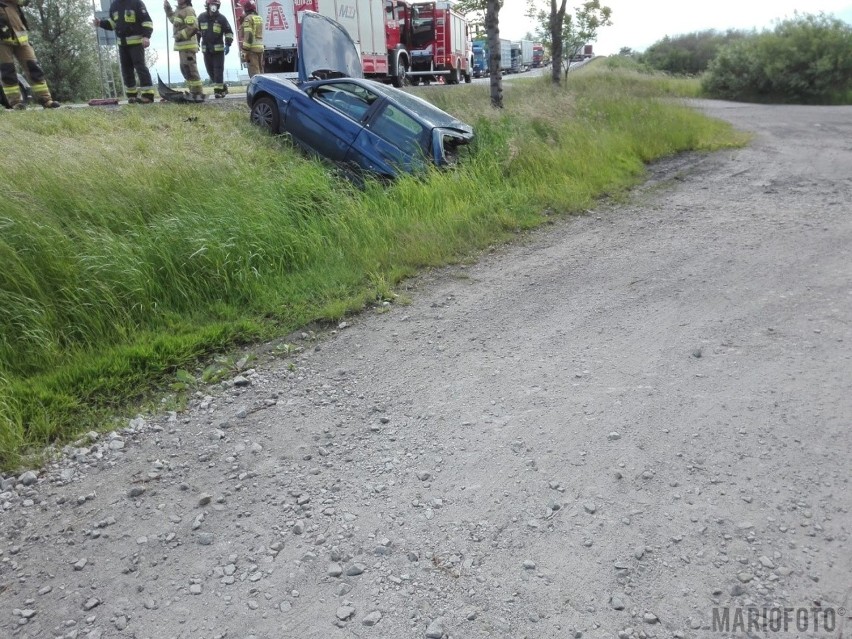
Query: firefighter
[(252, 39), (215, 35), (14, 44), (133, 28), (185, 27)]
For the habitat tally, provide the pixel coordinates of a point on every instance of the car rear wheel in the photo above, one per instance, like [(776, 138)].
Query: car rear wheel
[(264, 113)]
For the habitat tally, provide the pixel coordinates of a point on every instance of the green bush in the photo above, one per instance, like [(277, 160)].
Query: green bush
[(807, 59), (688, 54)]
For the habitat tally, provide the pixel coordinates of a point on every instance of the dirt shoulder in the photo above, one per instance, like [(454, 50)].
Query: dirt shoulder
[(625, 424)]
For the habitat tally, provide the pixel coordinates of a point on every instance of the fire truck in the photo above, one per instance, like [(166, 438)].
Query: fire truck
[(399, 42), (279, 33), (439, 42)]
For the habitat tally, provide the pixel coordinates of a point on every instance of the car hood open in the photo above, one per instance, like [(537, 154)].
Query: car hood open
[(325, 50)]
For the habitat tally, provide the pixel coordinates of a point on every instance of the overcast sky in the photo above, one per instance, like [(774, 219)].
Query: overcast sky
[(638, 24), (635, 24)]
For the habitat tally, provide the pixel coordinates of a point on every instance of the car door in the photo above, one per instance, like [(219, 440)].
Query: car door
[(391, 141), (331, 117)]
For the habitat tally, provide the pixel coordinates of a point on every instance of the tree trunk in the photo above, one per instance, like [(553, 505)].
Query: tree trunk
[(492, 29), (557, 17)]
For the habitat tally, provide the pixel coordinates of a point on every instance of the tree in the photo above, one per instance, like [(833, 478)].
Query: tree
[(688, 54), (495, 74), (65, 44), (564, 34), (487, 12), (805, 60)]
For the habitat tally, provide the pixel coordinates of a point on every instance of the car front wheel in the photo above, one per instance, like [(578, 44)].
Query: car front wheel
[(264, 113), (401, 78)]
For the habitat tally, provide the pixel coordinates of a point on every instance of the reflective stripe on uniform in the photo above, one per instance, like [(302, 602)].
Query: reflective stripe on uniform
[(22, 38)]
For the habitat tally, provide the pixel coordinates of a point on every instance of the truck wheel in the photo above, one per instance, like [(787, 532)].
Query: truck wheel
[(415, 81), (401, 78), (454, 76), (264, 113), (467, 78)]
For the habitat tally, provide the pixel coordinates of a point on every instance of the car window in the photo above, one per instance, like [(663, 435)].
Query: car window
[(399, 128), (351, 99)]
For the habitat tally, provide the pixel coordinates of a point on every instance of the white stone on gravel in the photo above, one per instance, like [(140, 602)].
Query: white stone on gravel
[(435, 629), (372, 618), (28, 478), (344, 612)]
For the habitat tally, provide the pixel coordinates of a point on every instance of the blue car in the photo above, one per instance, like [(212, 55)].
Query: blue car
[(361, 125)]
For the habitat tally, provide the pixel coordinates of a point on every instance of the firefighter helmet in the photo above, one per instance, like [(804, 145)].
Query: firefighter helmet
[(212, 2), (250, 7)]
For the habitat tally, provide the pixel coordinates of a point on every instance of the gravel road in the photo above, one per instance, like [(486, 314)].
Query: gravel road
[(629, 424)]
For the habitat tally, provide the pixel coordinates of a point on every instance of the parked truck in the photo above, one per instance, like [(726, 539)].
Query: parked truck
[(480, 58), (398, 41), (538, 55), (279, 33), (505, 56), (439, 43), (522, 56), (583, 52)]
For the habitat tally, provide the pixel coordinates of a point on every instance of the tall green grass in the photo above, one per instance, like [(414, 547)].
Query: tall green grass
[(135, 242)]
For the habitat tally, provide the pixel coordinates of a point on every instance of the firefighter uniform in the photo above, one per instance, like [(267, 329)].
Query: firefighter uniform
[(185, 30), (15, 45), (215, 35), (252, 39), (133, 28)]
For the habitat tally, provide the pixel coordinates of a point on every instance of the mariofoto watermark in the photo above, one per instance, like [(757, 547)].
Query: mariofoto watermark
[(777, 619)]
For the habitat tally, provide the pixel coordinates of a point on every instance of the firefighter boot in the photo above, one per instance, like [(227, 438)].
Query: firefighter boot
[(50, 104)]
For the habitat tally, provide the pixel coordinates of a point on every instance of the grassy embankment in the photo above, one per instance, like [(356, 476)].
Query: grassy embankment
[(136, 242)]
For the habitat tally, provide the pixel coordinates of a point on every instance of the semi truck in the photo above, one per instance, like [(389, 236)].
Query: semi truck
[(505, 56), (398, 41), (583, 52), (480, 58), (538, 55), (522, 56)]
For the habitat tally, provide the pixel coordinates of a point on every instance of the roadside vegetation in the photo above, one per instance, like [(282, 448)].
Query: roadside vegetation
[(804, 60), (137, 243)]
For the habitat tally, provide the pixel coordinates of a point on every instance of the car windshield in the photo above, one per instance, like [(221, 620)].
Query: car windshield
[(425, 110)]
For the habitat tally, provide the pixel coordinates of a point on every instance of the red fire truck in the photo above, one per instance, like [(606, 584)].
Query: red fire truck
[(399, 42), (439, 42)]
